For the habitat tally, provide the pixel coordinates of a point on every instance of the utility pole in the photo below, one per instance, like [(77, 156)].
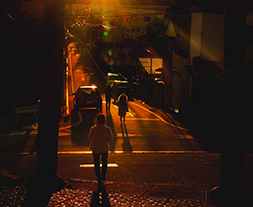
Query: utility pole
[(235, 63), (231, 192), (115, 36), (45, 180), (51, 84)]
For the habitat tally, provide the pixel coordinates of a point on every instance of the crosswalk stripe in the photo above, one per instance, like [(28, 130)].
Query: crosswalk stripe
[(92, 165)]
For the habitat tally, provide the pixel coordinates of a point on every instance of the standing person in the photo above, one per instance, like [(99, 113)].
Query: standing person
[(100, 135), (108, 96), (123, 107), (115, 91)]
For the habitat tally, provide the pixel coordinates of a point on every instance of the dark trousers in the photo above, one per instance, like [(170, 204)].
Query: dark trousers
[(108, 103), (96, 157)]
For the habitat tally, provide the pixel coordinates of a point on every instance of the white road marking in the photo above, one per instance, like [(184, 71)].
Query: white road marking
[(117, 152), (18, 133), (142, 119), (80, 121), (130, 114), (61, 134), (184, 136), (159, 152), (92, 165), (35, 132), (128, 135), (173, 125), (74, 152)]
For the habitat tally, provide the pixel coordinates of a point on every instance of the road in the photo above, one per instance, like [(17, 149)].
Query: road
[(150, 147), (146, 128)]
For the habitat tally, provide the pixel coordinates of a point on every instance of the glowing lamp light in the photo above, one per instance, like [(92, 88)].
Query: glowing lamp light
[(110, 52)]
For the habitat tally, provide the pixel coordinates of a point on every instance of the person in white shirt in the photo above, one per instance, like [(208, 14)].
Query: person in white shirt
[(100, 135)]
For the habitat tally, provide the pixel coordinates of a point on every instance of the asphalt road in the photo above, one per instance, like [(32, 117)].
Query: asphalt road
[(151, 147), (146, 129)]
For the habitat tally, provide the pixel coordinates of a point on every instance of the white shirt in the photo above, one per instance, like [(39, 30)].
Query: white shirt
[(100, 136)]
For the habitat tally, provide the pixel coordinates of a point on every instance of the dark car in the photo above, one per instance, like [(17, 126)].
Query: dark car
[(121, 83), (88, 97)]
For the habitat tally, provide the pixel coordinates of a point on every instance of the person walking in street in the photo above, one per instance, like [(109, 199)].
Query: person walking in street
[(115, 91), (100, 135), (123, 107), (108, 96)]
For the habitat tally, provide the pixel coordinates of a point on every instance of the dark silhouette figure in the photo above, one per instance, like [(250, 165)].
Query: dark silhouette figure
[(97, 202), (115, 91), (100, 135), (108, 96), (126, 145), (123, 107)]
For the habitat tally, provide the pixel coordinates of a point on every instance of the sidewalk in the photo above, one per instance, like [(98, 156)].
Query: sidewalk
[(82, 192), (131, 194)]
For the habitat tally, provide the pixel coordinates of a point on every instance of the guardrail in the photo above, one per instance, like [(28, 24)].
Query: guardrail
[(19, 111)]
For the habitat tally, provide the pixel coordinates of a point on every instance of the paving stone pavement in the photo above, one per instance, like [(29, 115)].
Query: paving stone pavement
[(83, 197), (12, 196), (83, 194)]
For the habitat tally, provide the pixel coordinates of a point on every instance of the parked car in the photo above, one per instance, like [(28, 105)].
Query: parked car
[(88, 97)]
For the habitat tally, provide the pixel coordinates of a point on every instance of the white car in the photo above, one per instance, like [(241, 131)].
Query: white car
[(111, 77), (121, 82)]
